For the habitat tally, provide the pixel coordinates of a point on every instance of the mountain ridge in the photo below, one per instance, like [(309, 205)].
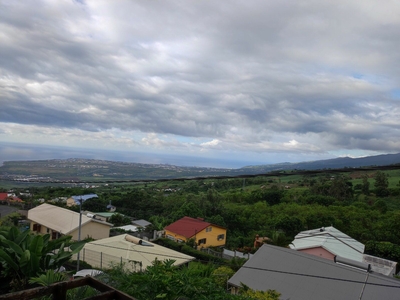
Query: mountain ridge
[(79, 169)]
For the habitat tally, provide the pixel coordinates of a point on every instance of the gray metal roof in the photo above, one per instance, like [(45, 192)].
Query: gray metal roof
[(141, 222), (332, 240), (302, 276)]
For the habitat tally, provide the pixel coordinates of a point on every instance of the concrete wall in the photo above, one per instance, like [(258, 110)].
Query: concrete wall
[(93, 230)]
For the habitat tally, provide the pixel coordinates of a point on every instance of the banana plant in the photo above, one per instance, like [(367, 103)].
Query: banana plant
[(25, 255)]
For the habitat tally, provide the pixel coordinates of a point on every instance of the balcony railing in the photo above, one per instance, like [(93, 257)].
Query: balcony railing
[(59, 291)]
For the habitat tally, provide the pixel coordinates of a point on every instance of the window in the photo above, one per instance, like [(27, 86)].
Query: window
[(220, 237), (36, 227), (208, 229), (168, 236), (202, 241)]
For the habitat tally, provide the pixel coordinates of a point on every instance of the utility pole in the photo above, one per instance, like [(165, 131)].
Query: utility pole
[(79, 232)]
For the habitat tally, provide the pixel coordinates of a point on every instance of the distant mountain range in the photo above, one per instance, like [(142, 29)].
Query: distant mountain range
[(79, 169), (335, 163)]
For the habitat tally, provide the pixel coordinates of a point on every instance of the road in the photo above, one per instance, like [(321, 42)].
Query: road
[(6, 210)]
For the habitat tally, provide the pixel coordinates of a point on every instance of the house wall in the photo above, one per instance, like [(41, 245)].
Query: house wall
[(92, 229), (210, 236), (320, 252), (174, 236), (41, 229)]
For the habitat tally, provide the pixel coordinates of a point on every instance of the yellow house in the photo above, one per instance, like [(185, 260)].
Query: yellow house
[(205, 234), (57, 221)]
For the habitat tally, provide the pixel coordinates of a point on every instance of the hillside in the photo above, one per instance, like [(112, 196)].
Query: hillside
[(75, 169)]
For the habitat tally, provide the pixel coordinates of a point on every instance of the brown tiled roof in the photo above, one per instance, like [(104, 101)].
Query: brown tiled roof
[(187, 226)]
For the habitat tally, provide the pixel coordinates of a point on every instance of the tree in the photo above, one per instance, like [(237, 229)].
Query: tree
[(119, 220), (51, 277), (381, 184), (258, 295), (25, 255), (341, 189), (365, 185), (278, 238), (162, 280), (222, 275)]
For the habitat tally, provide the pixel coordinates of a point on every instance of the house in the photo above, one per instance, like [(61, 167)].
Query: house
[(328, 242), (134, 253), (57, 221), (75, 200), (58, 200), (104, 216), (3, 196), (141, 223), (302, 276), (132, 228), (204, 233), (8, 198)]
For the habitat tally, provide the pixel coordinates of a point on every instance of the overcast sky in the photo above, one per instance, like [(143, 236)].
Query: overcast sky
[(246, 81)]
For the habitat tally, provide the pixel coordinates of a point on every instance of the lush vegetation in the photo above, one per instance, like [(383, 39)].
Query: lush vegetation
[(197, 281), (24, 255), (29, 260), (364, 205)]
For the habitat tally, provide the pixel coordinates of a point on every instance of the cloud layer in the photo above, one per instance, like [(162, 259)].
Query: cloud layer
[(300, 78)]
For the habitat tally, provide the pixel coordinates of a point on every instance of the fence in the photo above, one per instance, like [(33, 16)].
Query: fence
[(227, 254), (101, 260)]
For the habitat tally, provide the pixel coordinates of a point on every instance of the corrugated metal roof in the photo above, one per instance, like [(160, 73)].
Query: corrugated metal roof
[(302, 276), (332, 240), (141, 222), (128, 247), (57, 218), (187, 226)]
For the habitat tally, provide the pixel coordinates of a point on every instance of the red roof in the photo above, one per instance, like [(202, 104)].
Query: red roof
[(16, 199), (4, 197), (187, 226)]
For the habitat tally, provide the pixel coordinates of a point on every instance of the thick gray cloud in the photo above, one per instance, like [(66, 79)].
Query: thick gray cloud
[(288, 77)]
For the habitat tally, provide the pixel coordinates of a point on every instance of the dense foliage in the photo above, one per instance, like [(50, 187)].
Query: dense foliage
[(364, 205), (262, 205), (164, 281), (24, 255)]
